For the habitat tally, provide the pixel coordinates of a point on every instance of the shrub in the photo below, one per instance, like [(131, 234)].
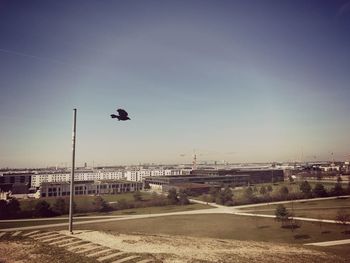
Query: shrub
[(263, 190), (284, 191), (305, 188), (183, 198), (319, 190), (172, 196), (43, 209), (338, 190), (60, 206), (100, 205), (13, 207), (137, 196)]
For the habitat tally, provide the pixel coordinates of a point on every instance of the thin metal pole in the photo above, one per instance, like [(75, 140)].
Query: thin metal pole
[(72, 173)]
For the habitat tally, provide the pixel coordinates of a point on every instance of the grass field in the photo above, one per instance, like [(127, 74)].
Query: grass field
[(160, 209), (83, 203), (36, 223), (135, 211), (228, 227), (324, 209)]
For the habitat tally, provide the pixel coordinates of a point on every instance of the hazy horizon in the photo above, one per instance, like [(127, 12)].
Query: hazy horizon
[(240, 81)]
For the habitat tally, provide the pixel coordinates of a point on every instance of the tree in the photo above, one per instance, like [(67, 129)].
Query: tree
[(342, 217), (281, 211), (60, 206), (101, 205), (248, 194), (228, 196), (123, 204), (13, 207), (338, 189), (305, 188), (213, 191), (172, 196), (269, 188), (146, 186), (319, 190), (339, 179), (281, 214), (137, 196), (291, 179), (43, 209), (3, 210), (284, 191), (183, 198), (263, 190), (220, 198)]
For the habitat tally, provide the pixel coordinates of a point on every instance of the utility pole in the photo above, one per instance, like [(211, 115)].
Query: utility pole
[(72, 173)]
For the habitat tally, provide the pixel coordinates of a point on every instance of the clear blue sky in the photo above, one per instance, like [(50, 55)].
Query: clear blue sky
[(241, 81)]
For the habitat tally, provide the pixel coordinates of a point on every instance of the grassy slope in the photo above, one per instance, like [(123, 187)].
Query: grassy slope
[(224, 226), (229, 227)]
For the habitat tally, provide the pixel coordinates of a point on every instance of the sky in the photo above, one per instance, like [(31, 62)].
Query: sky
[(240, 81)]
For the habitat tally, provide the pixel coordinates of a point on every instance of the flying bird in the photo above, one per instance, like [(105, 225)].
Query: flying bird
[(123, 115)]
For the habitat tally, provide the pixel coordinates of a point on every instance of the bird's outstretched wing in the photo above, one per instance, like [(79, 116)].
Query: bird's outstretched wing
[(113, 116), (122, 113)]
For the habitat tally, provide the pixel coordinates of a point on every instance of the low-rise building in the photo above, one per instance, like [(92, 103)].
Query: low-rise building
[(163, 183), (100, 187), (15, 181)]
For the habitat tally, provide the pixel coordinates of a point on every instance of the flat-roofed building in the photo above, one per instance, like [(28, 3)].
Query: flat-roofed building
[(101, 187), (256, 175), (163, 182), (18, 182), (193, 188)]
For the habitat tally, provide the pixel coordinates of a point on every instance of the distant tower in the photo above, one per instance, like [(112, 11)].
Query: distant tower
[(194, 163), (85, 165)]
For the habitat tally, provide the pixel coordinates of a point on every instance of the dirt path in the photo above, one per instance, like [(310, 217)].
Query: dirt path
[(330, 243)]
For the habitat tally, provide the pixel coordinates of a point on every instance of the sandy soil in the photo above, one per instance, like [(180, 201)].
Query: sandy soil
[(15, 252), (27, 251), (189, 249)]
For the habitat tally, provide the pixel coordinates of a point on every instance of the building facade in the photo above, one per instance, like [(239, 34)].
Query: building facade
[(101, 187)]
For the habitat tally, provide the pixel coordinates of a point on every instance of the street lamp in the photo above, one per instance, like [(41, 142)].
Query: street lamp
[(72, 173)]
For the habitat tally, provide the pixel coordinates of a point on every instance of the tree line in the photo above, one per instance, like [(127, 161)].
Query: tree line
[(262, 194), (60, 206)]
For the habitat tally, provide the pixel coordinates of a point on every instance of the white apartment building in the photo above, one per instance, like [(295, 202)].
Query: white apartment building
[(135, 175), (91, 175), (138, 175)]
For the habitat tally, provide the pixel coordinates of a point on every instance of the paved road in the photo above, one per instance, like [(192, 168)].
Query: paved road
[(219, 209), (330, 243)]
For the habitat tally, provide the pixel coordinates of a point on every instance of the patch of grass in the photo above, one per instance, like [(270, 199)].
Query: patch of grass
[(34, 222), (135, 211), (230, 227), (151, 210), (325, 209), (83, 203)]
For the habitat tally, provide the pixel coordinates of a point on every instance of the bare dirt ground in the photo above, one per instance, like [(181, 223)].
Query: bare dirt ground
[(26, 251), (190, 249)]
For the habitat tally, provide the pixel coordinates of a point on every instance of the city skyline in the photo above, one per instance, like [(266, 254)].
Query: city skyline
[(261, 81)]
